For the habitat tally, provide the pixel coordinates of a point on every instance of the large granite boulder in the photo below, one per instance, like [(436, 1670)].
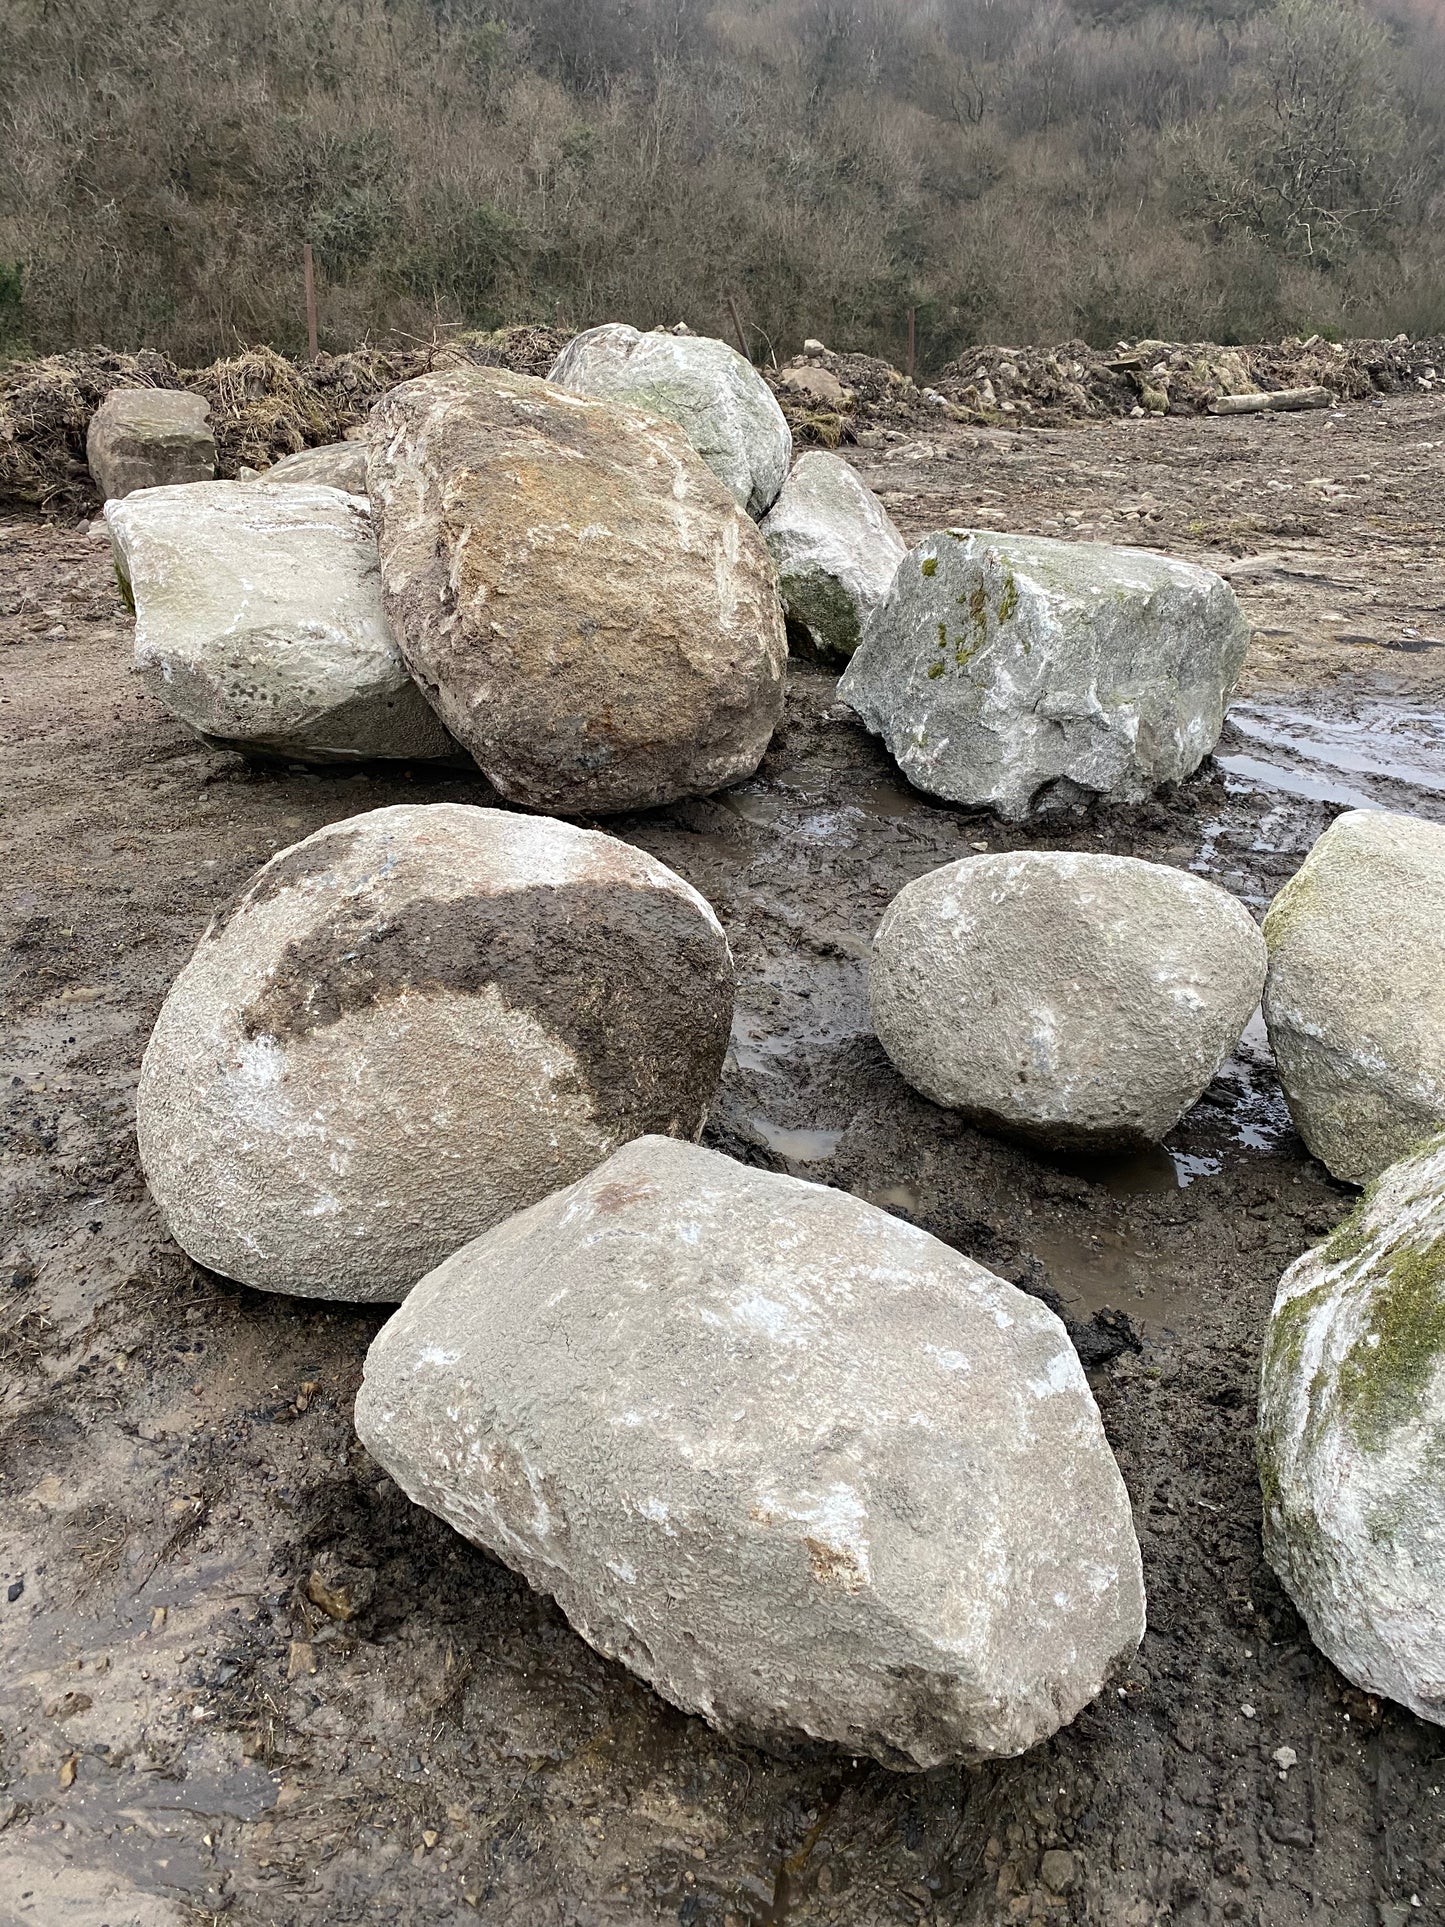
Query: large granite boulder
[(805, 1469), (412, 1024), (1024, 674), (259, 621), (836, 551), (1352, 1437), (1355, 1001), (333, 465), (587, 610), (1079, 1001), (719, 401), (149, 438)]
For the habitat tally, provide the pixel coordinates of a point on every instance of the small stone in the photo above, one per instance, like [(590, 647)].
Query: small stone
[(301, 1659), (1284, 1758), (813, 348), (1057, 1871), (1247, 1710)]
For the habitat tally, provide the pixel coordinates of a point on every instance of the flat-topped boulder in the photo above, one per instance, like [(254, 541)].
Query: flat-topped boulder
[(259, 621), (1023, 674), (149, 438), (1355, 1001), (836, 551), (805, 1469), (588, 610), (334, 465), (719, 401), (413, 1024)]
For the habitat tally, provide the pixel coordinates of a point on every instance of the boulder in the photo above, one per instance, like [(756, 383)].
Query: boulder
[(259, 621), (1355, 1001), (1026, 674), (585, 606), (335, 465), (805, 1469), (149, 438), (1078, 1001), (719, 401), (411, 1025), (1352, 1437), (836, 550), (820, 386)]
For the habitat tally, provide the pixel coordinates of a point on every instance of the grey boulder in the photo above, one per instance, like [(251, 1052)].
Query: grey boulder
[(719, 401), (259, 621), (1351, 1438), (334, 465), (411, 1025), (1355, 1001), (149, 438), (806, 1470), (1024, 674), (1078, 1001), (587, 609), (836, 551)]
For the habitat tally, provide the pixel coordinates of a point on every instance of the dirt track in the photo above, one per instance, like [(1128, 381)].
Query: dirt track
[(187, 1737)]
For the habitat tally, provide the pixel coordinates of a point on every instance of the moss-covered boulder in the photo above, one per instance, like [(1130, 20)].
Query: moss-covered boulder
[(1355, 1000), (836, 550), (1022, 674), (1352, 1437)]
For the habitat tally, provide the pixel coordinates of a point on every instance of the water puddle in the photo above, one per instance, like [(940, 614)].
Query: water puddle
[(809, 1145), (1383, 743), (1104, 1270), (1253, 773)]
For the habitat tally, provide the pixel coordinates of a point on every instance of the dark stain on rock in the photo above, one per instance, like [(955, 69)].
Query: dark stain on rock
[(314, 857), (635, 982)]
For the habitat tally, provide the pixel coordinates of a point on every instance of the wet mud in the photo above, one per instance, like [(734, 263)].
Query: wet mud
[(243, 1680)]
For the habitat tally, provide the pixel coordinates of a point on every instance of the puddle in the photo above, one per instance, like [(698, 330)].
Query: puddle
[(895, 1197), (807, 1146), (1104, 1270), (1306, 755), (1254, 773)]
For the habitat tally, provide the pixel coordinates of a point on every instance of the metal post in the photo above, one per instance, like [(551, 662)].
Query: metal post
[(911, 341), (738, 325), (309, 271)]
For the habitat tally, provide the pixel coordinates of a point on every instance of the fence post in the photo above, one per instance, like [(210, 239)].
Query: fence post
[(309, 272), (738, 326), (911, 342)]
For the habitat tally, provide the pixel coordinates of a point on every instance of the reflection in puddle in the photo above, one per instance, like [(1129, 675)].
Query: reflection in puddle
[(1104, 1270), (797, 1146), (1250, 770), (1383, 739)]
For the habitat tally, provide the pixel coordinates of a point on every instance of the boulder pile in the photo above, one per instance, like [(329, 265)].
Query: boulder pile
[(411, 1025), (805, 1469), (1082, 1002), (1026, 674)]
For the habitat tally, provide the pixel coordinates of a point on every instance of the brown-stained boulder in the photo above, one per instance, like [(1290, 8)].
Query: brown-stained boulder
[(411, 1025), (587, 609), (149, 438)]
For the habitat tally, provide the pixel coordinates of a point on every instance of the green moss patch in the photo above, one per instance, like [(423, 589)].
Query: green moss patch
[(1384, 1375)]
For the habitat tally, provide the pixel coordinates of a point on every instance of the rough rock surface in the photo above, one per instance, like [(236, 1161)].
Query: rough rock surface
[(1355, 1001), (590, 614), (836, 551), (804, 1468), (149, 438), (1076, 1000), (335, 465), (259, 621), (1352, 1437), (412, 1024), (719, 401), (1023, 673)]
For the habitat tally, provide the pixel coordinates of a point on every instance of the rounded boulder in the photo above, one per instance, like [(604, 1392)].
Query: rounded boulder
[(1077, 1001), (411, 1025)]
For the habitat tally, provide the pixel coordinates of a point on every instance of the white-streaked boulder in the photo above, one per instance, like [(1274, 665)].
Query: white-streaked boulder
[(149, 438), (333, 465), (411, 1025), (835, 548), (805, 1469)]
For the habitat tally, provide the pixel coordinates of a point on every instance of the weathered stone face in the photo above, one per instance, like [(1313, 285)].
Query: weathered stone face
[(1352, 1437), (836, 551), (1355, 1001), (1025, 674), (259, 621), (719, 401), (589, 613), (412, 1024), (803, 1468), (149, 438), (1075, 1000), (334, 465)]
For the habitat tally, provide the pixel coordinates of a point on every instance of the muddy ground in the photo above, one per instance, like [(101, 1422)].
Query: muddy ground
[(188, 1738)]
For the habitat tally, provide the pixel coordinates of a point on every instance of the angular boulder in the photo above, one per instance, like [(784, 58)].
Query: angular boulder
[(1024, 674), (719, 401), (259, 621), (334, 465), (587, 610), (411, 1025), (1351, 1438), (806, 1470), (1355, 1001), (836, 551), (149, 438), (1078, 1001)]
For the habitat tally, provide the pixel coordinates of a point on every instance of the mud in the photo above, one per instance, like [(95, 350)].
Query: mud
[(188, 1736)]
